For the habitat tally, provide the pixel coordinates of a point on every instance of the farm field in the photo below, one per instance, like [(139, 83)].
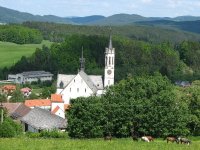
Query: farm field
[(10, 53), (90, 144)]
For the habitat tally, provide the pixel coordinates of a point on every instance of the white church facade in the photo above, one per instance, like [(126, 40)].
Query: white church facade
[(83, 85)]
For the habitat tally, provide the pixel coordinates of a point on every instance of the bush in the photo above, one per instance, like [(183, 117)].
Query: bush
[(53, 134), (9, 128)]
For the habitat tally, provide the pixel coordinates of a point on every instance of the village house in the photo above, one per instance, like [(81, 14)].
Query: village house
[(7, 89), (26, 91), (39, 119), (55, 105), (30, 76), (83, 85)]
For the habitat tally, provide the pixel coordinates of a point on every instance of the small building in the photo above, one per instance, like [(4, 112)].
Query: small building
[(26, 91), (40, 119), (30, 76), (183, 83), (57, 105), (9, 88)]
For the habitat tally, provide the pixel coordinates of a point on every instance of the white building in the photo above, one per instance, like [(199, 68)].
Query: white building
[(30, 76), (83, 85)]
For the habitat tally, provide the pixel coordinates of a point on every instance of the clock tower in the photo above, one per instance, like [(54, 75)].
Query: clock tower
[(109, 64)]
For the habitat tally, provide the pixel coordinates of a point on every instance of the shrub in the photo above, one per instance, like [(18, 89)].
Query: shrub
[(53, 134), (9, 128)]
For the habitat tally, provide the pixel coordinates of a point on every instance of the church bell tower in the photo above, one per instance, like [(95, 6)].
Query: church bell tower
[(109, 64)]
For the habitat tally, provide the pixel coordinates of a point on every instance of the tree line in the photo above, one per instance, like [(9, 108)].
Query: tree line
[(179, 62), (20, 34)]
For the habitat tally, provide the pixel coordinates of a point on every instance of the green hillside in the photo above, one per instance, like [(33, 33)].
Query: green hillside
[(57, 32), (10, 53), (13, 16), (190, 26)]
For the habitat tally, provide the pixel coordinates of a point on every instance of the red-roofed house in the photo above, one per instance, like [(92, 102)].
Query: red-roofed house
[(55, 104), (9, 88), (26, 91)]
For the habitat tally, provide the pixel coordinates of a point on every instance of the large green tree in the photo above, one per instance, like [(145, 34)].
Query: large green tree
[(148, 104)]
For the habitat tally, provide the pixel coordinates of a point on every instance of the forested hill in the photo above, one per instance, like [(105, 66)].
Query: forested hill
[(190, 26), (13, 16), (180, 22), (57, 32)]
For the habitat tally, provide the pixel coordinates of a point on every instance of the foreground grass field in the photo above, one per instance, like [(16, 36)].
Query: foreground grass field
[(10, 53), (93, 144)]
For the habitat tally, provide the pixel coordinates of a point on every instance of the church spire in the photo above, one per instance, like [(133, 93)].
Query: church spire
[(82, 61), (110, 42)]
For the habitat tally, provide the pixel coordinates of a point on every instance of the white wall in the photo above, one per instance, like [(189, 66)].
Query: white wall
[(61, 111), (76, 88)]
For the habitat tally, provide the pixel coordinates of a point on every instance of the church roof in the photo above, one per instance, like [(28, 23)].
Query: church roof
[(94, 82), (88, 81), (65, 79)]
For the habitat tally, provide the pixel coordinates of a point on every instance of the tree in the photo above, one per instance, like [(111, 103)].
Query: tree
[(17, 95), (148, 104)]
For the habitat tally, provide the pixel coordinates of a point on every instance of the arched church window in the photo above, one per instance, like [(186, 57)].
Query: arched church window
[(108, 82), (70, 89), (74, 80), (109, 61), (112, 60), (85, 90), (106, 60), (77, 89), (61, 84)]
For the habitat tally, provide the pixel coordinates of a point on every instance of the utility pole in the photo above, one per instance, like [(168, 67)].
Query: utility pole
[(1, 106)]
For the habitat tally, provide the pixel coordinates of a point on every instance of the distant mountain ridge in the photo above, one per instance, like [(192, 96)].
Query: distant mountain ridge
[(186, 23), (12, 16)]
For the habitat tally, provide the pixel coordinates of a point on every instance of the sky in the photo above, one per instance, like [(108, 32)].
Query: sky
[(66, 8)]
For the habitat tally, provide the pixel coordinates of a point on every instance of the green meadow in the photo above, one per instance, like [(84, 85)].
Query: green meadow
[(10, 53), (24, 143)]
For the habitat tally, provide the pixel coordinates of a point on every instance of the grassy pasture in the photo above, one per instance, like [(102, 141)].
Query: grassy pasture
[(90, 144), (10, 53)]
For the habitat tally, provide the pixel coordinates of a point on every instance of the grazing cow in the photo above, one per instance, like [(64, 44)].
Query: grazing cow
[(184, 141), (145, 139), (150, 138), (134, 134), (108, 137), (170, 139)]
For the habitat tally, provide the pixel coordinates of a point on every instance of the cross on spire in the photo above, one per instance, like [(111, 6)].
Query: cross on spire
[(82, 61)]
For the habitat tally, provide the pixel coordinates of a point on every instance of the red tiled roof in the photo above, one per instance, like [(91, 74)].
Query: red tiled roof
[(56, 98), (25, 90), (55, 110), (16, 110), (11, 107), (38, 102), (9, 87)]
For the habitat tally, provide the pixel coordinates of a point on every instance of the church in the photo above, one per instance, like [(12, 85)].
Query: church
[(83, 85)]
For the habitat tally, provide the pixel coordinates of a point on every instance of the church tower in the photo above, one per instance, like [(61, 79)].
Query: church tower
[(109, 64)]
